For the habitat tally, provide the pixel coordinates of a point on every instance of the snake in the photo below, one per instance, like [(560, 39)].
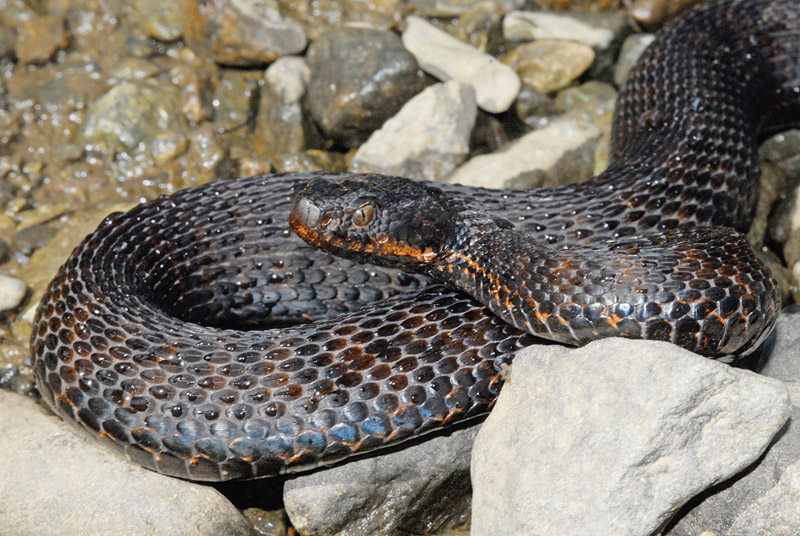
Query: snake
[(262, 325)]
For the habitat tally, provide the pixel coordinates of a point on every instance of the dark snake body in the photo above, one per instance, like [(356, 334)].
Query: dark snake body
[(158, 334)]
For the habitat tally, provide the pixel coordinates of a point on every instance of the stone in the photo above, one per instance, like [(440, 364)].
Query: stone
[(615, 436), (206, 159), (549, 65), (12, 292), (445, 57), (161, 20), (360, 77), (406, 490), (40, 38), (289, 77), (131, 115), (763, 499), (234, 98), (559, 153), (603, 32), (243, 33), (309, 160), (427, 138), (480, 26), (7, 41), (632, 48), (281, 125), (322, 16), (455, 8), (43, 456), (535, 109), (531, 26), (784, 228), (134, 69), (651, 13), (267, 522), (591, 101), (783, 362)]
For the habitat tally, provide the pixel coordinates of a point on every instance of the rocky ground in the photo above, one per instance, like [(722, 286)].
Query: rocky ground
[(106, 103)]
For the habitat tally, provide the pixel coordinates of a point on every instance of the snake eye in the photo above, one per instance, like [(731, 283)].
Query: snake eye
[(363, 215)]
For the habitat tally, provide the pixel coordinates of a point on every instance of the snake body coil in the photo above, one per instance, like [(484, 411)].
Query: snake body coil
[(174, 332)]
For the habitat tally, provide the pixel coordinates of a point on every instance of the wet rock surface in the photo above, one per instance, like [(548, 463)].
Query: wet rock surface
[(105, 104), (242, 32), (359, 78)]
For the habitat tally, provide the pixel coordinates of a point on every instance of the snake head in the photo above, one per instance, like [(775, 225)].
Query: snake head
[(383, 220)]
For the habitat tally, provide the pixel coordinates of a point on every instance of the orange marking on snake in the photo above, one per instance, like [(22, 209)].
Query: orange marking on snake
[(476, 268), (381, 245)]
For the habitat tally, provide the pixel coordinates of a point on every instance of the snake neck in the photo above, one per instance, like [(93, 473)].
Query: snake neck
[(630, 287), (475, 258)]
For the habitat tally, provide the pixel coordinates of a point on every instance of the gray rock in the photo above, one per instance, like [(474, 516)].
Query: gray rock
[(289, 78), (281, 125), (54, 481), (359, 78), (131, 115), (445, 57), (561, 151), (632, 48), (603, 32), (242, 32), (655, 12), (530, 26), (534, 108), (12, 292), (481, 27), (427, 138), (454, 8), (614, 437), (39, 38), (161, 20), (763, 500), (549, 65), (591, 101), (406, 491), (784, 226), (233, 98), (7, 41), (783, 359), (780, 173)]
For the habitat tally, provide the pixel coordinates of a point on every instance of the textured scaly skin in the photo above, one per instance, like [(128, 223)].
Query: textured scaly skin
[(155, 335)]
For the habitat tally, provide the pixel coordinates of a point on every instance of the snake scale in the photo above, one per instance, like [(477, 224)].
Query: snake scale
[(200, 337)]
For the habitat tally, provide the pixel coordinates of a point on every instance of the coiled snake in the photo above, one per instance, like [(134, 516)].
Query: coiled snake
[(202, 338)]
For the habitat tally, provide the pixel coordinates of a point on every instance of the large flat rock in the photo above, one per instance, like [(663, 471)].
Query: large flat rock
[(614, 437), (55, 481)]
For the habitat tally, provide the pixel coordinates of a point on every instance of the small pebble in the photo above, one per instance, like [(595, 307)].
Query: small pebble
[(547, 65), (40, 38), (12, 292), (559, 153), (530, 26), (445, 57)]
